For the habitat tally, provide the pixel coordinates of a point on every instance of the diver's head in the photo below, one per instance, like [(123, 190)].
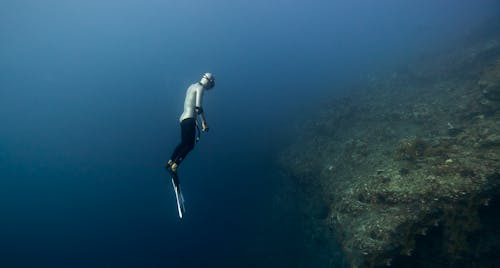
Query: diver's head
[(208, 81)]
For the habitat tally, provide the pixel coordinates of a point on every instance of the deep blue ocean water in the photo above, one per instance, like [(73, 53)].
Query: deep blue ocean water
[(91, 92)]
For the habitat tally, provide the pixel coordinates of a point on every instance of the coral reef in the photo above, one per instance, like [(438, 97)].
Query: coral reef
[(404, 167)]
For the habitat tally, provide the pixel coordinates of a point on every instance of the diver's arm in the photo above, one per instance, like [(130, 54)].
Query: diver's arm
[(204, 125)]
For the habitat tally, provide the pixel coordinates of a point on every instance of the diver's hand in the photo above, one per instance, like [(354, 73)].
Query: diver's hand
[(204, 127)]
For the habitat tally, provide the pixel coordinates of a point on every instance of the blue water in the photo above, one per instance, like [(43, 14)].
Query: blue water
[(91, 91)]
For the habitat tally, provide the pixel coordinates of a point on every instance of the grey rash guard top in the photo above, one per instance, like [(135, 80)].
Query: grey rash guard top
[(194, 97)]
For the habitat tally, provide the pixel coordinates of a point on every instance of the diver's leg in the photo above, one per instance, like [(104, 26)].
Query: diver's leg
[(188, 137), (175, 153)]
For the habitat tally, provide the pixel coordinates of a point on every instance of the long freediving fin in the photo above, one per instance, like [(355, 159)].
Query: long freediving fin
[(179, 197)]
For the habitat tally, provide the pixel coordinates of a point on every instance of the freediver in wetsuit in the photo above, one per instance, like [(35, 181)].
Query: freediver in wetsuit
[(192, 110)]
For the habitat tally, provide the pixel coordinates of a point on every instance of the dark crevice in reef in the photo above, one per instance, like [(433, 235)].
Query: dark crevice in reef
[(478, 248), (405, 170)]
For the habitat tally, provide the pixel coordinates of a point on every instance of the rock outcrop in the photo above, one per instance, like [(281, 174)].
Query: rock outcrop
[(406, 171)]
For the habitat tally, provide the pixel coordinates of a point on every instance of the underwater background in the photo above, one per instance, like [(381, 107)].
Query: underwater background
[(91, 93)]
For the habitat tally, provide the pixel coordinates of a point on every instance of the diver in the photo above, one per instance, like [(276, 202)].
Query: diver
[(188, 120)]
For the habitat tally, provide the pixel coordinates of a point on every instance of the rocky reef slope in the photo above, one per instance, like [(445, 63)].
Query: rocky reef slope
[(406, 170)]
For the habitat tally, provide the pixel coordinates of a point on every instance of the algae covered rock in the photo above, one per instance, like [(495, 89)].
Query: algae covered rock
[(407, 171)]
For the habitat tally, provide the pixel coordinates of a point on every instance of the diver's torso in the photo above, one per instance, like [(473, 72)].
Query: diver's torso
[(193, 92)]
